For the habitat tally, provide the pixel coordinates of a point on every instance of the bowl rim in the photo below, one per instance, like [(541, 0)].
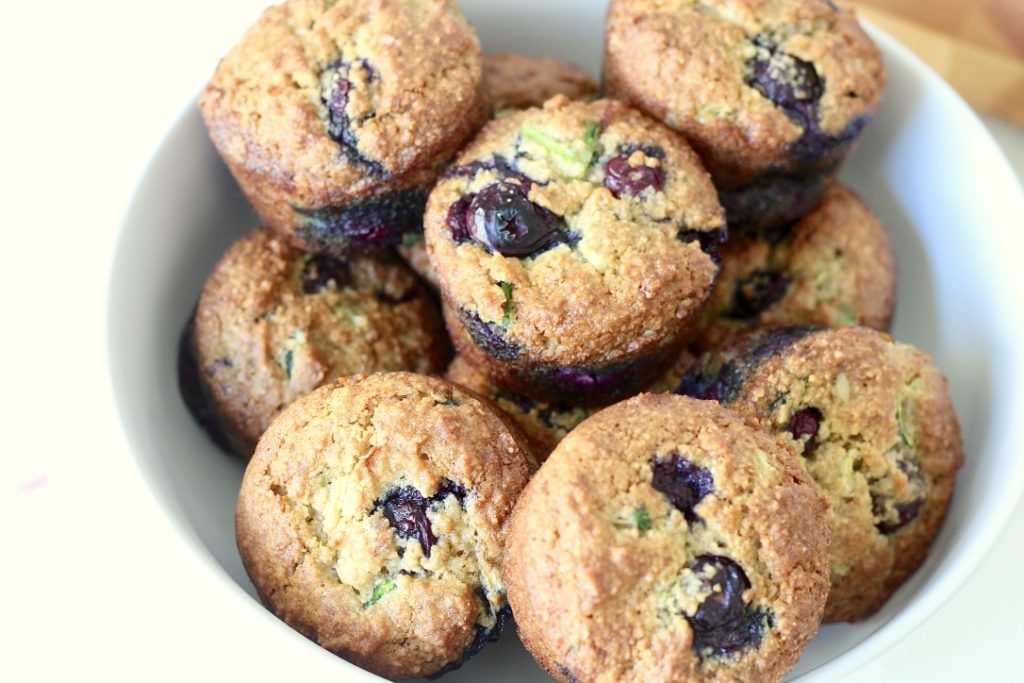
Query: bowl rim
[(931, 597)]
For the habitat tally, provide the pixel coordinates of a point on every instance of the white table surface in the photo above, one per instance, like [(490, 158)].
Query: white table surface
[(97, 583)]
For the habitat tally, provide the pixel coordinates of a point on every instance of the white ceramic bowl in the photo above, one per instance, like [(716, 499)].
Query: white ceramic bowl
[(926, 164)]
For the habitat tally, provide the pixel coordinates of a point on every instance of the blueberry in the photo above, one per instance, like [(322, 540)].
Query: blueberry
[(905, 512), (710, 241), (757, 291), (724, 624), (622, 178), (683, 483), (406, 509), (503, 219), (335, 90), (791, 83), (652, 151), (805, 422), (321, 271), (378, 220), (488, 337)]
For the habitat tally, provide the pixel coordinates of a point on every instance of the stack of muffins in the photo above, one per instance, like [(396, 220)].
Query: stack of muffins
[(674, 437)]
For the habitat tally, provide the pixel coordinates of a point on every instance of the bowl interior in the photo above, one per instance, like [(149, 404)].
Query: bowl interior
[(926, 165)]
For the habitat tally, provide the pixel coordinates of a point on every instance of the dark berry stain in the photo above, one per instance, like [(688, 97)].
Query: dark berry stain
[(335, 96), (321, 271), (488, 337), (710, 241), (378, 220), (482, 637), (191, 390), (622, 178), (457, 219), (406, 510), (683, 483), (724, 624), (756, 291), (564, 670), (717, 379), (503, 219), (805, 423), (498, 164)]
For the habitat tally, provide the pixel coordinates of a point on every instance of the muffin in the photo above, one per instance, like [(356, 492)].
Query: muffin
[(273, 323), (875, 428), (666, 539), (833, 267), (546, 423), (336, 117), (771, 93), (371, 520), (512, 81), (574, 246), (515, 81)]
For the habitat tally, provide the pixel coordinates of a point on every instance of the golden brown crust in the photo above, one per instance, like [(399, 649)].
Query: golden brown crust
[(320, 550), (416, 100), (837, 264), (683, 61), (628, 286), (601, 598), (516, 81), (262, 340)]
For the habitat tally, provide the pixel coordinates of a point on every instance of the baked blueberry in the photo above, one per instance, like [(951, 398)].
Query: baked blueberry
[(724, 623), (683, 483)]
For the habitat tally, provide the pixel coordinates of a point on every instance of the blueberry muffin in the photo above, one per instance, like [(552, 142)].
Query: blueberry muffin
[(771, 93), (273, 323), (371, 519), (512, 81), (875, 427), (515, 81), (545, 423), (666, 539), (336, 116), (834, 266), (575, 246)]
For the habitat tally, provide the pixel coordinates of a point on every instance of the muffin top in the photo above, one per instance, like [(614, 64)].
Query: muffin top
[(273, 323), (834, 266), (516, 81), (751, 83), (371, 519), (666, 539), (875, 427), (543, 422), (337, 98), (574, 233)]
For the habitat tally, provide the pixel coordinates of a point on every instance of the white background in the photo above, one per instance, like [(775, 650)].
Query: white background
[(96, 582)]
